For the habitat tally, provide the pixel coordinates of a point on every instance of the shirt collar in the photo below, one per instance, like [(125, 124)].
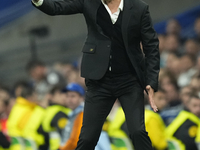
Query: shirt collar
[(121, 5)]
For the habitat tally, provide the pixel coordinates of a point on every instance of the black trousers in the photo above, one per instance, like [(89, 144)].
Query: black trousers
[(100, 97)]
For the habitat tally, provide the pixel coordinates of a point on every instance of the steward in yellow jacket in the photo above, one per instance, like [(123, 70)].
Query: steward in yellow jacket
[(23, 120), (56, 117), (185, 126), (35, 138), (155, 128), (118, 132)]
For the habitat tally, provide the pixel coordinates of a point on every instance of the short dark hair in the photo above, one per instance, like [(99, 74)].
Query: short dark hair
[(32, 64), (20, 83), (27, 90), (58, 87)]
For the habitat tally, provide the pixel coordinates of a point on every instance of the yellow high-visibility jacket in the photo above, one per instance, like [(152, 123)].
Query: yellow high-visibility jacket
[(183, 130), (50, 114), (17, 121), (155, 128), (119, 139), (30, 132)]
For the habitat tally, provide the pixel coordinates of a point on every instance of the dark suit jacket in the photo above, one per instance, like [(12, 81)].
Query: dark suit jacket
[(136, 27)]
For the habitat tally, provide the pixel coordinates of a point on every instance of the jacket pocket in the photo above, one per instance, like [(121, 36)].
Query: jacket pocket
[(89, 48)]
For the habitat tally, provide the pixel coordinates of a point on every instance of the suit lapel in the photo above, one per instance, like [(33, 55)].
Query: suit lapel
[(128, 4), (95, 5)]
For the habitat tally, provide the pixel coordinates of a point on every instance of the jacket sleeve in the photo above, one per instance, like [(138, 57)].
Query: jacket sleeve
[(71, 143), (150, 47), (61, 7)]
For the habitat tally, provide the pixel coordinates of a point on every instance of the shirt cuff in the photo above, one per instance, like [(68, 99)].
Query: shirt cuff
[(39, 3)]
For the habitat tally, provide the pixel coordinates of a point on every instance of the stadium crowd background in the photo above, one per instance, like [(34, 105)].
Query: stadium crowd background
[(175, 127)]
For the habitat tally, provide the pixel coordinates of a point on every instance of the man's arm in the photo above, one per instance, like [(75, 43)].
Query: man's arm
[(59, 7), (150, 45)]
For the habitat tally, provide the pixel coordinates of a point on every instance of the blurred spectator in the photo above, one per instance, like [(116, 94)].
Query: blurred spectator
[(118, 131), (185, 94), (192, 47), (185, 125), (171, 94), (33, 134), (63, 68), (161, 38), (198, 63), (173, 65), (154, 123), (197, 28), (18, 87), (70, 73), (187, 70), (166, 78), (74, 101), (21, 113), (194, 105), (43, 78), (4, 140), (173, 27), (195, 84), (75, 97), (4, 93), (172, 44), (56, 116)]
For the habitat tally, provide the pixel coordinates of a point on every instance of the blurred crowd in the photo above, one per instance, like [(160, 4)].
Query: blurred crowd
[(45, 112)]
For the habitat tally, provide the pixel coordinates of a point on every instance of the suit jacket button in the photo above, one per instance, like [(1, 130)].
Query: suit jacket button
[(108, 46)]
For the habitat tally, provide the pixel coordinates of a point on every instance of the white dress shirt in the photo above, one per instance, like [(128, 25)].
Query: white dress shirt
[(113, 16)]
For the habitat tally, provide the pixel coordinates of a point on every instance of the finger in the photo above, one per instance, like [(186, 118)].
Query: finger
[(153, 105)]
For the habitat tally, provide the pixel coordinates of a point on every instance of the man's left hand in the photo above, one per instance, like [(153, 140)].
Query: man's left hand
[(151, 98)]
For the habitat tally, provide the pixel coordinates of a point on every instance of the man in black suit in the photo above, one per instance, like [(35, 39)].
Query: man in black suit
[(113, 64)]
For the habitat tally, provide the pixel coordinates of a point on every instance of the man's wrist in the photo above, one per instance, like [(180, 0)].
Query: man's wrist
[(37, 2)]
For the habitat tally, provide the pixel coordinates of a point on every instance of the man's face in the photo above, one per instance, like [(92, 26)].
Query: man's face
[(4, 95), (185, 94), (73, 99), (194, 106), (59, 97), (37, 73)]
